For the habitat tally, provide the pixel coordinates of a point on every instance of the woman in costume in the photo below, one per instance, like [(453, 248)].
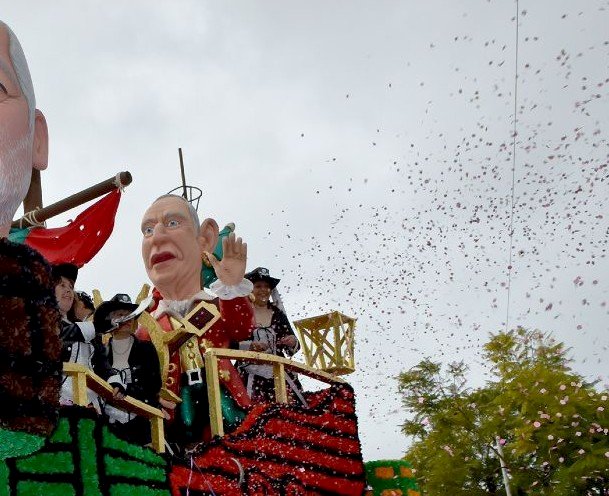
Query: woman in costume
[(134, 360), (82, 309), (80, 340), (273, 334)]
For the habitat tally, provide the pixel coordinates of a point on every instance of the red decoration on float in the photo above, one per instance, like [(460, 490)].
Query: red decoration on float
[(81, 239), (282, 449)]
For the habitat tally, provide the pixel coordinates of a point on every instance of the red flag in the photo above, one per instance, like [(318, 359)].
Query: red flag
[(80, 240)]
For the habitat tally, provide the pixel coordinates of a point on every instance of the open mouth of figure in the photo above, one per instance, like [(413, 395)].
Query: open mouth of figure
[(161, 257)]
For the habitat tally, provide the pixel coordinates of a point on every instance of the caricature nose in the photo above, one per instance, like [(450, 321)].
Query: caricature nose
[(158, 230)]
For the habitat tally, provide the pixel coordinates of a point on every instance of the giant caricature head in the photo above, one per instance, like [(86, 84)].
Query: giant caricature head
[(172, 245), (23, 130)]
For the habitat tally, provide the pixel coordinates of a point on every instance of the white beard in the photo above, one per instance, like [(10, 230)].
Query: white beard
[(15, 173)]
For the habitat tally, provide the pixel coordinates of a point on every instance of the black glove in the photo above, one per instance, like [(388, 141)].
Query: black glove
[(119, 386)]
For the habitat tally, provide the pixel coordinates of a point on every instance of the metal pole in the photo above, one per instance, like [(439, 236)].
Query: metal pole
[(504, 470), (184, 194), (124, 179)]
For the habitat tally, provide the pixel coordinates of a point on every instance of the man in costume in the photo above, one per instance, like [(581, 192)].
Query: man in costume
[(30, 362), (134, 360), (187, 319)]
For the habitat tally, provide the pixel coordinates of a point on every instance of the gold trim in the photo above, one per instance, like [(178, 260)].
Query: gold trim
[(183, 332), (168, 395), (84, 378), (143, 294), (97, 298), (327, 342), (280, 365)]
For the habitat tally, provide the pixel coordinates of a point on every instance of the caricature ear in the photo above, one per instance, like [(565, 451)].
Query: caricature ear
[(208, 238), (40, 155)]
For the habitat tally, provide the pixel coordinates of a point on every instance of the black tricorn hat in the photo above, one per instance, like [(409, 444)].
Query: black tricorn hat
[(67, 270), (262, 274), (119, 301)]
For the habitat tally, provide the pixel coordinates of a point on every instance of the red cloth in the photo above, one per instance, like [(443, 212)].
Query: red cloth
[(80, 240)]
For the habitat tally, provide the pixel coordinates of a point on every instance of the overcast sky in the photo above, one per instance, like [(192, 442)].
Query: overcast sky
[(363, 149)]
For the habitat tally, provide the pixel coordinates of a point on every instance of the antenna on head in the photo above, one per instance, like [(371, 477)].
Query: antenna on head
[(191, 194), (183, 174)]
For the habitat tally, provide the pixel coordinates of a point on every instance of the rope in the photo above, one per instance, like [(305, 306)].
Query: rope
[(31, 219), (509, 283), (118, 183)]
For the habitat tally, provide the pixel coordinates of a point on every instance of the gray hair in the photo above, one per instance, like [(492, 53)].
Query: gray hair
[(193, 213), (22, 71)]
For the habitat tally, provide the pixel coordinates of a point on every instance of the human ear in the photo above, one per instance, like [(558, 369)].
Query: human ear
[(40, 152), (208, 237)]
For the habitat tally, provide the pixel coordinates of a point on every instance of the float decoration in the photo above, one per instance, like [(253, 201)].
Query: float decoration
[(83, 457), (81, 239), (327, 342), (390, 477), (282, 449)]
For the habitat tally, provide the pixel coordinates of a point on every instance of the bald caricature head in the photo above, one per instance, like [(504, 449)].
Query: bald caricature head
[(23, 129), (172, 245)]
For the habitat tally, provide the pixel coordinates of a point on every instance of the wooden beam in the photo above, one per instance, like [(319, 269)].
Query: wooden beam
[(77, 199), (79, 386), (85, 378), (255, 357), (213, 394), (157, 430), (281, 395), (33, 197)]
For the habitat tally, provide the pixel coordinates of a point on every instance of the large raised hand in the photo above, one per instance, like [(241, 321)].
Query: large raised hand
[(231, 269)]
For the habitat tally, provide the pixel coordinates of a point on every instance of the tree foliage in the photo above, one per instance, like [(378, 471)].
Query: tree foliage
[(550, 424)]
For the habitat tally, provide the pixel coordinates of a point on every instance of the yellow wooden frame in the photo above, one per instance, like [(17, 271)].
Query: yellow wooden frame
[(84, 378), (328, 342), (279, 364)]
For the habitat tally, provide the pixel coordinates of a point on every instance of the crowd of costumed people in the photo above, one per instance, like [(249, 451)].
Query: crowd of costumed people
[(106, 340)]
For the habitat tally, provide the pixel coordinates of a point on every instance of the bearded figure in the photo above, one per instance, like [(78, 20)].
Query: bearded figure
[(30, 366)]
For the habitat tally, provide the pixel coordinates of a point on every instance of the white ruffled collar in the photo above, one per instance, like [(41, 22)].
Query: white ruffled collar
[(179, 308)]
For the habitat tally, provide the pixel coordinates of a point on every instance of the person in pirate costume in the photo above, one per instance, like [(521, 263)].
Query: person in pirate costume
[(83, 307), (134, 360), (81, 341), (273, 334), (186, 319)]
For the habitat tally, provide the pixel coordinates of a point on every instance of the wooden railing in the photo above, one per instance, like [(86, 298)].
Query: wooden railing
[(279, 364), (84, 378)]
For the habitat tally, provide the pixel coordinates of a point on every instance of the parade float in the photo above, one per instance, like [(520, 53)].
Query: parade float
[(279, 447), (53, 447)]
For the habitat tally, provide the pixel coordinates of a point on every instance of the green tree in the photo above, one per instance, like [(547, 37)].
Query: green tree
[(551, 425)]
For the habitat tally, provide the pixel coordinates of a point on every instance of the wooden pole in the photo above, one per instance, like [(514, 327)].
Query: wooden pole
[(184, 194), (33, 198), (281, 394), (77, 199), (213, 394)]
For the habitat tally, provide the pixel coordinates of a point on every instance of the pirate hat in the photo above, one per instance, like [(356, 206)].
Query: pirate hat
[(118, 302), (262, 274), (67, 270)]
